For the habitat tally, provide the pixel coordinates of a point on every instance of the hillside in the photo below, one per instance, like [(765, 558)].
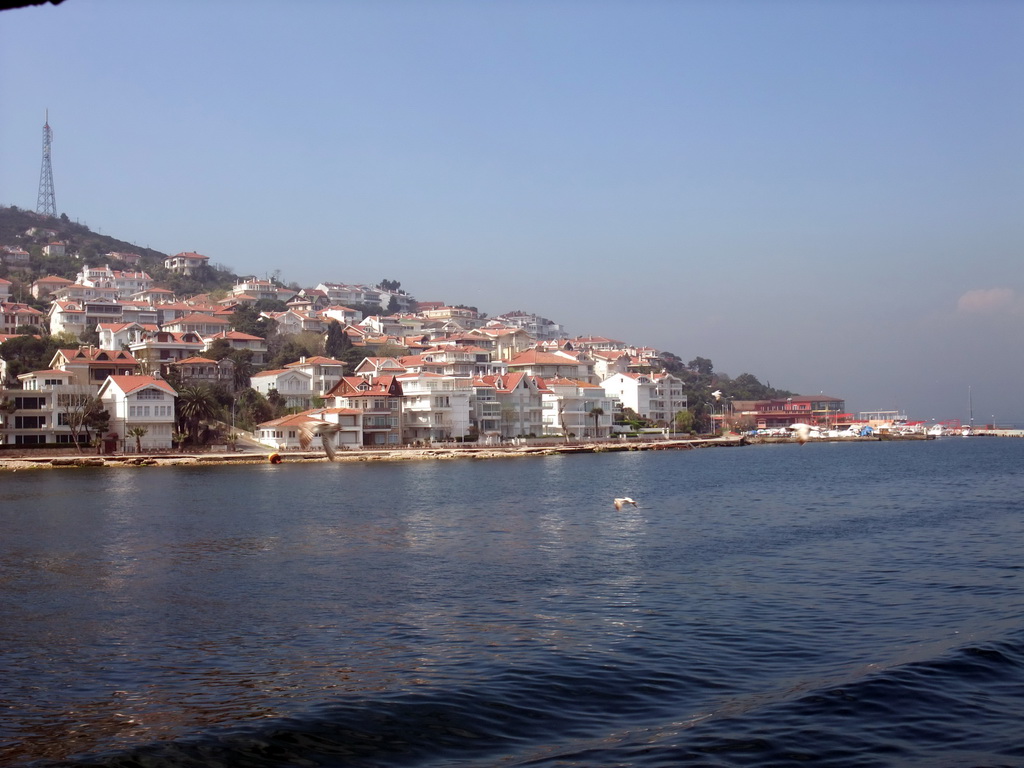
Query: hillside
[(30, 231)]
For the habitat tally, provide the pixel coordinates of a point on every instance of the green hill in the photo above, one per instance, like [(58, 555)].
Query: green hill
[(30, 231)]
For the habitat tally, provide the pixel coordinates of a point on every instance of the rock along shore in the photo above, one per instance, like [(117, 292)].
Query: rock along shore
[(399, 454)]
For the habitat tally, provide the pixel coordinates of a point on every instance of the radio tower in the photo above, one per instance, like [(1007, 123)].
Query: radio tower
[(46, 203)]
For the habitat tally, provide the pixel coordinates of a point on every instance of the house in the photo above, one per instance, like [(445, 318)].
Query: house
[(540, 328), (14, 257), (140, 402), (42, 408), (119, 335), (262, 289), (379, 399), (293, 385), (339, 293), (131, 259), (153, 296), (294, 321), (79, 292), (92, 366), (5, 289), (124, 282), (576, 409), (504, 343), (186, 263), (378, 366), (44, 286), (435, 407), (80, 316), (657, 397), (13, 315), (157, 349), (608, 363), (343, 315), (66, 317), (553, 365), (140, 312), (203, 370), (465, 317), (284, 433), (197, 322), (324, 372), (507, 405), (241, 341), (56, 249)]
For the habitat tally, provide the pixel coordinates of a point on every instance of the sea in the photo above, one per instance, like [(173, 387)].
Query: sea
[(830, 604)]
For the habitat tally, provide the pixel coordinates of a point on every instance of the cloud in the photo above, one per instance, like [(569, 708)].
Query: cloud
[(988, 301)]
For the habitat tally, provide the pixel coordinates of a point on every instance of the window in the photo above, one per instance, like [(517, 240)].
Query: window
[(149, 394), (30, 422), (29, 403)]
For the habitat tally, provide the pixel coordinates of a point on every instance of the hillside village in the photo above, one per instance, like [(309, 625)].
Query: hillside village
[(133, 350)]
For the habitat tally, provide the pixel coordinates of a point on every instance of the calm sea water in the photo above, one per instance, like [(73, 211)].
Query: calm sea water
[(829, 605)]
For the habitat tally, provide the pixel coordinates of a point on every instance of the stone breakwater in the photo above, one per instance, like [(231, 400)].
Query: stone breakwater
[(346, 456)]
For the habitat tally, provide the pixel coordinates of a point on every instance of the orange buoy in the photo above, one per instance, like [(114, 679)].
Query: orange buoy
[(274, 458)]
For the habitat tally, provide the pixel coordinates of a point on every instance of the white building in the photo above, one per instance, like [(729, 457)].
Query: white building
[(657, 397), (144, 402), (294, 386), (186, 263), (576, 408), (435, 407)]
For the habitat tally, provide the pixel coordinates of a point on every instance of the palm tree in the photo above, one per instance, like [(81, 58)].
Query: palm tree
[(138, 433), (597, 413), (195, 403)]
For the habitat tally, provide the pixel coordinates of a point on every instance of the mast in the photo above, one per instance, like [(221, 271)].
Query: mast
[(46, 202)]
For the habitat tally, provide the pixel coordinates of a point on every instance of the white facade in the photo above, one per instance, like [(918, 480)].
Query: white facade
[(569, 406), (140, 401), (656, 397), (435, 407), (293, 385)]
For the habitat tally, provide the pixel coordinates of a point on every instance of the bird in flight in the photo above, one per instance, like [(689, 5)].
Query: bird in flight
[(325, 430), (620, 503)]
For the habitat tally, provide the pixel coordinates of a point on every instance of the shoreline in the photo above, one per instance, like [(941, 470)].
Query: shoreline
[(349, 456)]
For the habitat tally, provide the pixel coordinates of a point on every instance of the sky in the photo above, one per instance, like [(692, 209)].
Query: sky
[(826, 195)]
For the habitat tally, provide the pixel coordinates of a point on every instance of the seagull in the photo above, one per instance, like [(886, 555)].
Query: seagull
[(620, 503), (325, 430), (803, 431)]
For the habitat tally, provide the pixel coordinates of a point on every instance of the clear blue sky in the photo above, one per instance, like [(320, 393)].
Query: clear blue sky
[(828, 195)]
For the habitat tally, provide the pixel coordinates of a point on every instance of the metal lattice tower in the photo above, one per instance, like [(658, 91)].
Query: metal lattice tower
[(46, 203)]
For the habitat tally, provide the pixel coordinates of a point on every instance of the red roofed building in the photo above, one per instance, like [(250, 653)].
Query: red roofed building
[(92, 366), (140, 401), (186, 263), (380, 400)]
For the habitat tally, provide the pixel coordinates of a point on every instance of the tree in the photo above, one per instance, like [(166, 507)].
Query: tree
[(337, 341), (244, 367), (597, 413), (138, 433), (393, 305), (246, 319), (81, 412), (194, 405), (701, 365), (684, 422), (253, 408), (219, 349)]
